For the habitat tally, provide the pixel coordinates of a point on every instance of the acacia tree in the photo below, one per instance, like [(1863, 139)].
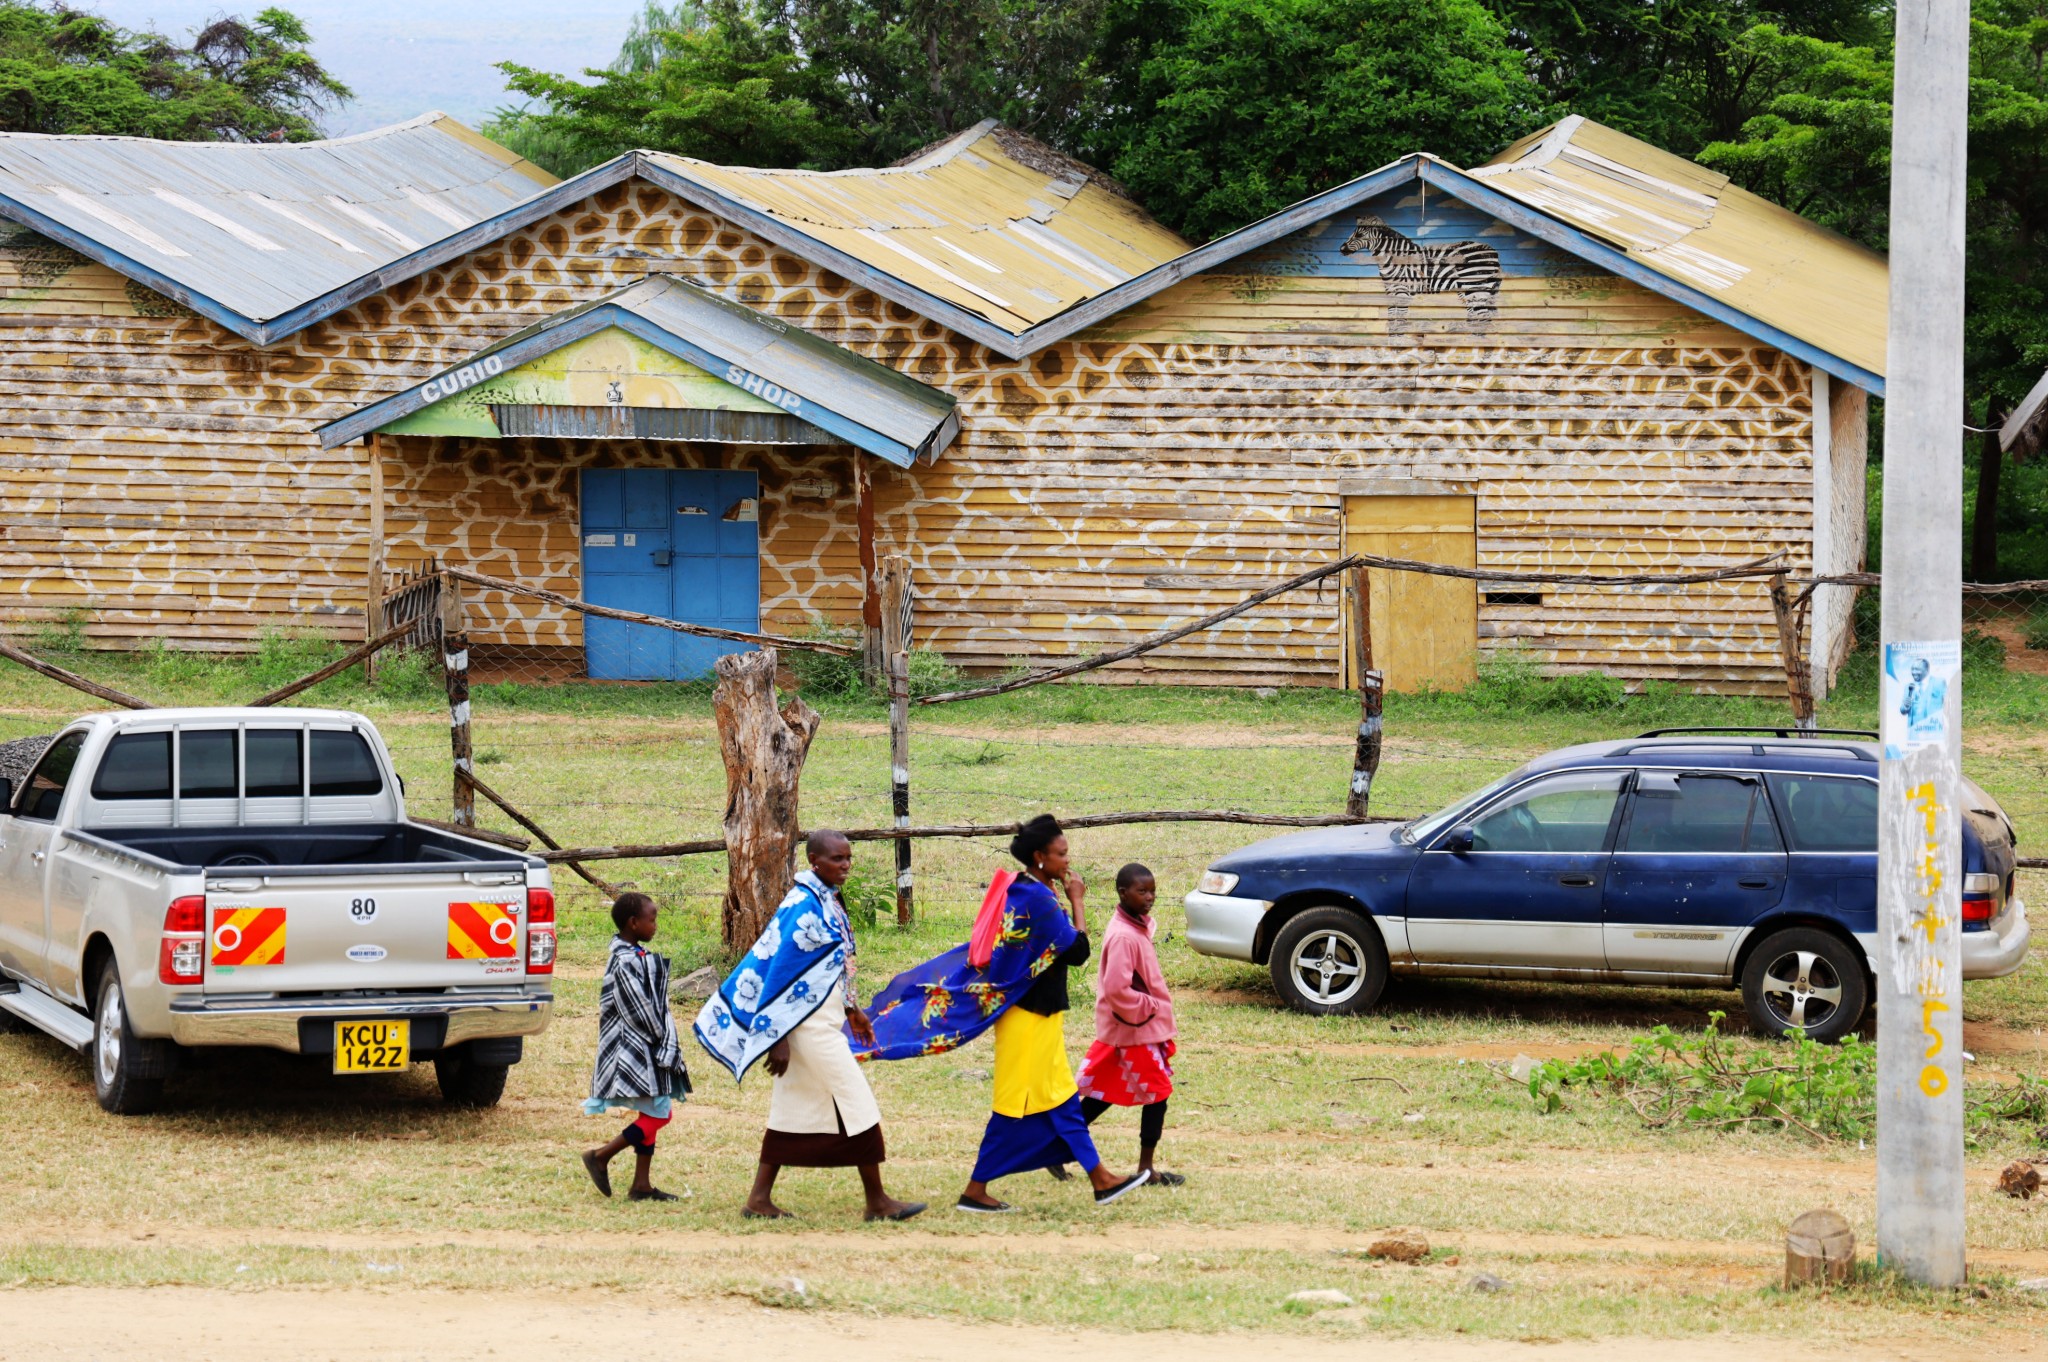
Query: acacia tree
[(63, 70)]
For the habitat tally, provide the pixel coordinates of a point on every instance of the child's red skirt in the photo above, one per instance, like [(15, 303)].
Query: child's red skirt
[(1127, 1075)]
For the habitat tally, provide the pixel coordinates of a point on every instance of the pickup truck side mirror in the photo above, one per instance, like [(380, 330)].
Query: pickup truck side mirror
[(1459, 838), (6, 795)]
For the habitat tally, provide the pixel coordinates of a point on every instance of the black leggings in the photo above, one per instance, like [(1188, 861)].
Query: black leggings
[(1151, 1119)]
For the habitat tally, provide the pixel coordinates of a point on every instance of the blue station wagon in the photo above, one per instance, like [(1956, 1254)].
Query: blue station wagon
[(1693, 858)]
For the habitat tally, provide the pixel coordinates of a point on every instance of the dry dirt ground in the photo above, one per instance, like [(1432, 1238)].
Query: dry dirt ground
[(76, 1324)]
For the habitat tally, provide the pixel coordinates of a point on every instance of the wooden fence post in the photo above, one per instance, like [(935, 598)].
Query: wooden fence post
[(455, 668), (764, 750), (373, 608), (1798, 677), (1365, 756), (896, 608)]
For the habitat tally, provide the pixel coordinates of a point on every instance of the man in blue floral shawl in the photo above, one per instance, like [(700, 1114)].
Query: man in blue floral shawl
[(790, 1000)]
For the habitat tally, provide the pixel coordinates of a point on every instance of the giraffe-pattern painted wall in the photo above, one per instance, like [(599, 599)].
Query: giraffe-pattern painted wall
[(1157, 466)]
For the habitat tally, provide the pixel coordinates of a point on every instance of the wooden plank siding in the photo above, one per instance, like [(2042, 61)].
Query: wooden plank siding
[(163, 472)]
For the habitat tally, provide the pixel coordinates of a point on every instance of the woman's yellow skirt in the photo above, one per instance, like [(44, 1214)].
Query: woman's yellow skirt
[(1032, 1073)]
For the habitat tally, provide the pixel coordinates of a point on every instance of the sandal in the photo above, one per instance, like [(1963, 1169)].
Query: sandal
[(1160, 1179), (983, 1207), (908, 1210), (600, 1171), (1129, 1184)]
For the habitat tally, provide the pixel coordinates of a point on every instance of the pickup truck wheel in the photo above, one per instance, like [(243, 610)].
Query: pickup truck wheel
[(1805, 981), (466, 1083), (1329, 962), (128, 1072)]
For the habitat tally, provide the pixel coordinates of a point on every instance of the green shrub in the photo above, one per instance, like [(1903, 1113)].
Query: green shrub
[(868, 899), (827, 675), (409, 674), (2036, 632), (931, 674), (285, 655), (1982, 651), (64, 634)]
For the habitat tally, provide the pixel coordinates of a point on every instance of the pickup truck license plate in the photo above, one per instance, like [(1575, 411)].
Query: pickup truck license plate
[(377, 1047)]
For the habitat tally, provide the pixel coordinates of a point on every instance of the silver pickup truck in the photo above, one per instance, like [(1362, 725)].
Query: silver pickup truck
[(185, 877)]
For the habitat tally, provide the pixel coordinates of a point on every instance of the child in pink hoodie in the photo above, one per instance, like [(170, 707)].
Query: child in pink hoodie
[(1131, 1062)]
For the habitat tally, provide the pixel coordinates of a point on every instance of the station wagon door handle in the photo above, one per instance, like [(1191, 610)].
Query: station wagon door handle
[(1576, 881), (1755, 882)]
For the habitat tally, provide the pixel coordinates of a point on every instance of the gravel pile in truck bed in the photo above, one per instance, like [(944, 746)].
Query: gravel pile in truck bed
[(18, 757)]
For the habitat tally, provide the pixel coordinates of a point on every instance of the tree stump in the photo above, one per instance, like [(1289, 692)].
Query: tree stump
[(764, 750), (1820, 1248)]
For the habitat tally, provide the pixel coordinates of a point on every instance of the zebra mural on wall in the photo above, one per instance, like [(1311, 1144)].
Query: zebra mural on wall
[(1409, 270)]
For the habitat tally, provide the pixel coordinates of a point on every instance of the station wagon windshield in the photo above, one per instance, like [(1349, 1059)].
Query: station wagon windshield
[(1422, 829)]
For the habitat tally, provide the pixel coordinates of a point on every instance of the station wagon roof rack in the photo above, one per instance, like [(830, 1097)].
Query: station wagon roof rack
[(1761, 732)]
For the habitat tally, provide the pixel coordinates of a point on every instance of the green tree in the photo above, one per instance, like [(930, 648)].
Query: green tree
[(1821, 145), (814, 83), (1673, 73), (717, 85), (1227, 110), (66, 71)]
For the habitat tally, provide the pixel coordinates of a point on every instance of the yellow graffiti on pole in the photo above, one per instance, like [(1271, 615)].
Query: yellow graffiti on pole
[(1933, 980)]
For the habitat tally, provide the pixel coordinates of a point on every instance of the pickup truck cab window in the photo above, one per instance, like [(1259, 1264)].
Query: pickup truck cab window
[(270, 763), (43, 793), (342, 764), (206, 764), (135, 766)]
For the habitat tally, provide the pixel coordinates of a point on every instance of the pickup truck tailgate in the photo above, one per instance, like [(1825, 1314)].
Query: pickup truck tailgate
[(324, 933)]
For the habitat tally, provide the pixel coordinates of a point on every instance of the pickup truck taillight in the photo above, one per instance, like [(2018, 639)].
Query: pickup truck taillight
[(540, 931), (181, 958), (1981, 898)]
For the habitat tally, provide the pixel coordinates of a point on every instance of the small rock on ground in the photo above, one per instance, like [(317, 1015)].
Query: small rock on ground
[(1326, 1296), (1486, 1284), (1399, 1248), (2021, 1179), (1144, 1259), (698, 983)]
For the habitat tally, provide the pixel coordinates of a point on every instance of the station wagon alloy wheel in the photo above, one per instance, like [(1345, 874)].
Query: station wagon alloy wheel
[(1329, 960), (1804, 981), (1801, 990), (1328, 964)]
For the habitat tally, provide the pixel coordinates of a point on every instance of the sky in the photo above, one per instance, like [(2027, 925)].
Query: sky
[(404, 57)]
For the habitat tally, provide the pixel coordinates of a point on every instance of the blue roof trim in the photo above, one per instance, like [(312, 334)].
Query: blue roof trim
[(1592, 249), (1223, 249), (129, 266), (399, 405)]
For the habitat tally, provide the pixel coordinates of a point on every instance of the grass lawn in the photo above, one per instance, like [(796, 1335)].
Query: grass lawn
[(1301, 1137)]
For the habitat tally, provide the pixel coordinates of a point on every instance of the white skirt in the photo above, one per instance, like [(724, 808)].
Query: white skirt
[(824, 1090)]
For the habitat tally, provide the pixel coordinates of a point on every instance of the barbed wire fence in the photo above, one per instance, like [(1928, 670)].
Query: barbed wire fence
[(625, 782)]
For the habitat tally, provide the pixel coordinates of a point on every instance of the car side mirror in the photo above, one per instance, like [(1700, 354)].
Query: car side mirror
[(1459, 839)]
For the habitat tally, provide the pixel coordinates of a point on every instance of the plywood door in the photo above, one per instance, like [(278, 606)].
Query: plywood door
[(1425, 630)]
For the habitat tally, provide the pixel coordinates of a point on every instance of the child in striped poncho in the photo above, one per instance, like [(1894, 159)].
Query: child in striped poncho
[(639, 1056)]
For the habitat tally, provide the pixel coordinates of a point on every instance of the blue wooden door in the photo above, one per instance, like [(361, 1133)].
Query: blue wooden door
[(681, 543)]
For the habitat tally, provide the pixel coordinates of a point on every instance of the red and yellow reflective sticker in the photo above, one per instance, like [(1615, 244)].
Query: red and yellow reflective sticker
[(248, 936), (483, 931)]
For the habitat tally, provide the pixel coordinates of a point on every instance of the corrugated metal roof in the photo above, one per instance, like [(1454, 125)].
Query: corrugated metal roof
[(989, 221), (257, 228), (1694, 227), (768, 365)]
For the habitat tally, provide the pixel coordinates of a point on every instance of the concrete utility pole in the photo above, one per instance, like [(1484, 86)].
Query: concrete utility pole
[(1919, 895)]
